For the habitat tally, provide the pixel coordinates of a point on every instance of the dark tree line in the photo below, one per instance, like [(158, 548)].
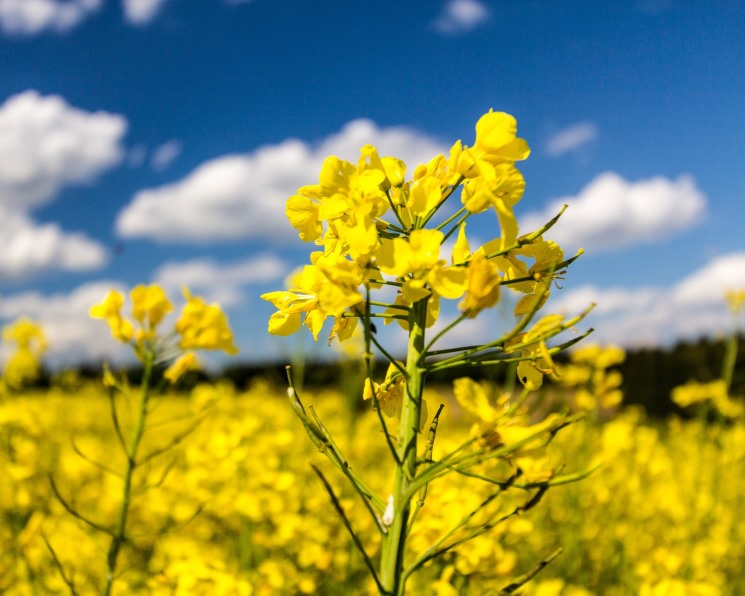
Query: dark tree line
[(649, 374)]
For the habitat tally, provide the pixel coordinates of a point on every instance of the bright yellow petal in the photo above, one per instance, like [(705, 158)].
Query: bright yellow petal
[(461, 250), (284, 324), (448, 282), (303, 215)]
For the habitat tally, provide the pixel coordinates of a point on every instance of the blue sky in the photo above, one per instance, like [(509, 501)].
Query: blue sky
[(156, 140)]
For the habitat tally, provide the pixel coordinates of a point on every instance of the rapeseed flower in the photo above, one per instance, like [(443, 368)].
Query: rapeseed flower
[(204, 326)]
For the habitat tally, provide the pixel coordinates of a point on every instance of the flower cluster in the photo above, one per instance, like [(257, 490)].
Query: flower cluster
[(377, 229), (592, 373), (714, 393), (201, 326), (24, 364)]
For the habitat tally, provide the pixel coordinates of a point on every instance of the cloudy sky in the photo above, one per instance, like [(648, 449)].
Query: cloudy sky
[(156, 141)]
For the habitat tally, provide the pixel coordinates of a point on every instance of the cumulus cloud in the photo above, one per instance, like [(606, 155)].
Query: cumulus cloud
[(141, 12), (31, 17), (29, 248), (571, 138), (222, 283), (46, 145), (243, 196), (72, 335), (611, 212), (461, 16), (164, 155), (653, 315)]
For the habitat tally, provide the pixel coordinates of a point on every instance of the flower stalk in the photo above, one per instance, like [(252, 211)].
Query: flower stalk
[(362, 254)]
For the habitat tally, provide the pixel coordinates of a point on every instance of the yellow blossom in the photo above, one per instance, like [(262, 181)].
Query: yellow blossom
[(109, 309), (183, 364), (496, 139), (482, 286), (204, 326), (149, 305), (735, 300), (418, 262)]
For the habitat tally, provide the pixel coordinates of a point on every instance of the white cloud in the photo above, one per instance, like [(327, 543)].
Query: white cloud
[(29, 248), (243, 196), (216, 282), (72, 335), (461, 16), (31, 17), (571, 138), (46, 144), (164, 155), (611, 212), (141, 12), (691, 308)]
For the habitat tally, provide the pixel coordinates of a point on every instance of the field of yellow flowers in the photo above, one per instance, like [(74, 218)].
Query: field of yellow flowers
[(228, 503), (115, 488)]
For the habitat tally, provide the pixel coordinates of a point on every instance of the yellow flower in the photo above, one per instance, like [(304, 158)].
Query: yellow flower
[(496, 139), (418, 263), (303, 215), (538, 361), (714, 392), (349, 198), (391, 393), (149, 305), (327, 287), (482, 286), (599, 357), (204, 326), (735, 300), (22, 367), (186, 362), (109, 309), (424, 195), (473, 398), (461, 249), (24, 364), (26, 334)]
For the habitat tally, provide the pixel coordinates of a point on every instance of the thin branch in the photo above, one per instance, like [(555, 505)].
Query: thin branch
[(72, 511), (363, 491), (437, 550), (115, 419), (58, 564), (529, 237), (174, 442), (93, 462), (524, 579), (390, 358), (332, 452), (348, 526), (442, 332), (378, 409)]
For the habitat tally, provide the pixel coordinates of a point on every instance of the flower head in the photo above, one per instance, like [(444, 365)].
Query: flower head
[(204, 326), (109, 309)]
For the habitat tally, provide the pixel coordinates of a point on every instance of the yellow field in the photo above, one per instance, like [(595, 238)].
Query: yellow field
[(234, 507)]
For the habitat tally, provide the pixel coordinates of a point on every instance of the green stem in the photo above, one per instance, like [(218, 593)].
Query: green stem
[(730, 356), (120, 531), (394, 542)]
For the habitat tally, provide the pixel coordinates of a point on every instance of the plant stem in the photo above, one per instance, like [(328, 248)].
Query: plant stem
[(120, 532), (730, 355), (393, 548)]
